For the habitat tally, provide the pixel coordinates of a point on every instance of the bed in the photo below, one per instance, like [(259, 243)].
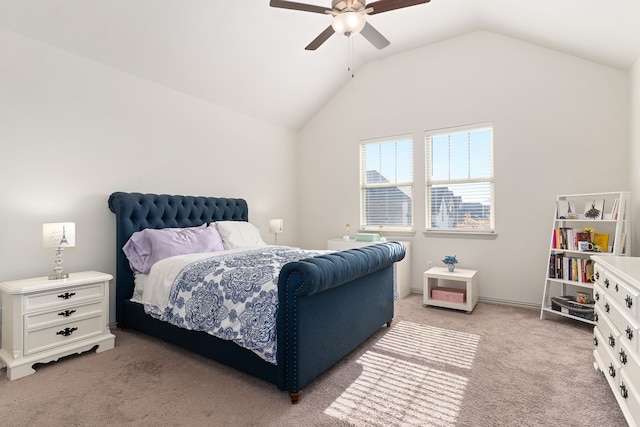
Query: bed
[(337, 298)]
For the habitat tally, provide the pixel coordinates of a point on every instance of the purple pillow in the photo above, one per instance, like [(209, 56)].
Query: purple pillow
[(145, 248)]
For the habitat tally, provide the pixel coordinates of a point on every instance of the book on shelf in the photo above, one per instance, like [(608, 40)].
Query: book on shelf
[(552, 266), (601, 240), (593, 209), (573, 269), (614, 209)]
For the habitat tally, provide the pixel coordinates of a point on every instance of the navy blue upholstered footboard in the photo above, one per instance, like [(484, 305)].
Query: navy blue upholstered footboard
[(328, 305)]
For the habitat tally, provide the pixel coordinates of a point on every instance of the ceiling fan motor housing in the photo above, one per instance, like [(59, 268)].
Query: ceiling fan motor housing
[(340, 5)]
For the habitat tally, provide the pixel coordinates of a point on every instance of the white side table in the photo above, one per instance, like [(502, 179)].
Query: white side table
[(433, 278), (43, 320)]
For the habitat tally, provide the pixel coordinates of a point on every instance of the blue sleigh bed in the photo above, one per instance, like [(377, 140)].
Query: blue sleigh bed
[(327, 305)]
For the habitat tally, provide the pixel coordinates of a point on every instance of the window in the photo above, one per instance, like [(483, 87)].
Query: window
[(386, 183), (459, 173)]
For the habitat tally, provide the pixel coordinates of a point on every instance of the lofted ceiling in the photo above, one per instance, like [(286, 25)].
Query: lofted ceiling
[(249, 57)]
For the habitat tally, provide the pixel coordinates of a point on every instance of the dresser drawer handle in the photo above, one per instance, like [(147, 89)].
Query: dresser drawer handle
[(623, 391), (595, 317), (606, 283), (612, 341), (612, 370), (595, 341), (629, 333), (623, 357), (66, 313), (616, 287), (597, 296), (606, 307), (66, 295), (66, 332), (597, 275), (629, 301)]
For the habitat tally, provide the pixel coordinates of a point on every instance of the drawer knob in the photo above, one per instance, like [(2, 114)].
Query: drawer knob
[(623, 357), (629, 333), (616, 287), (607, 307), (595, 317), (597, 275), (629, 301), (66, 313), (606, 283), (66, 332), (612, 341), (597, 296), (623, 391), (595, 341), (66, 295), (612, 370)]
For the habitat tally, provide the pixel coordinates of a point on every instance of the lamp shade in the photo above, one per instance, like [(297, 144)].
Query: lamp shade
[(276, 226), (59, 235), (348, 23)]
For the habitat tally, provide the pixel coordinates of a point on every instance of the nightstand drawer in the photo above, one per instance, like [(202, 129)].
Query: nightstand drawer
[(63, 297), (64, 315), (53, 336)]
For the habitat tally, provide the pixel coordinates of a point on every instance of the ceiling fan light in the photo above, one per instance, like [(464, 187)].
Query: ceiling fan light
[(348, 23)]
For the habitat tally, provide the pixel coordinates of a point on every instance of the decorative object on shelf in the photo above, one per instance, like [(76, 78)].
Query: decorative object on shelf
[(593, 209), (382, 238), (346, 236), (276, 226), (59, 235), (451, 262)]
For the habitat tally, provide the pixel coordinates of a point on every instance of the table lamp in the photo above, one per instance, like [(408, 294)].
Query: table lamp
[(58, 235)]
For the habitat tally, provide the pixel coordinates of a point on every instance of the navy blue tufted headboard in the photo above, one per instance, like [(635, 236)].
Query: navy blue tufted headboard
[(136, 211)]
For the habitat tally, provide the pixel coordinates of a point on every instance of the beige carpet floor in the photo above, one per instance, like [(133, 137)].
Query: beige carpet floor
[(499, 366)]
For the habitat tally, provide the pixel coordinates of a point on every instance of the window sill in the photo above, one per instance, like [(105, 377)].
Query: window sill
[(480, 235)]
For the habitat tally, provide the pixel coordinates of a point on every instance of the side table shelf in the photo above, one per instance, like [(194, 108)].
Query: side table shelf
[(433, 278)]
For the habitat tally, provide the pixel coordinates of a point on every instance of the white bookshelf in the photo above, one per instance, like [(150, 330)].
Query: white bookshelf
[(570, 274)]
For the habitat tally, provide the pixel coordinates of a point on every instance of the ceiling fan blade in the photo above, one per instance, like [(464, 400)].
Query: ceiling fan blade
[(387, 5), (374, 36), (298, 6), (323, 37)]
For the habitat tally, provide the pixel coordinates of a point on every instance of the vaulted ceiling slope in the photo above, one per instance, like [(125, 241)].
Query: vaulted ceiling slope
[(249, 57)]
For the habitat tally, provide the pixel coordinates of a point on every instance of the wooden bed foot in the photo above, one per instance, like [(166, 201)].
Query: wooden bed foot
[(389, 323), (295, 397)]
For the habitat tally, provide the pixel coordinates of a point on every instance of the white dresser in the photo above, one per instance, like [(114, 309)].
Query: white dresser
[(617, 332), (43, 320), (401, 270)]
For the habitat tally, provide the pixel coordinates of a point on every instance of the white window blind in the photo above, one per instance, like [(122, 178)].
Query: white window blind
[(386, 183), (460, 185)]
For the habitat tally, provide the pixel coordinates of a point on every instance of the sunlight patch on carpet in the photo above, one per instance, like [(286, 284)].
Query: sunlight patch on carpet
[(392, 391), (430, 343)]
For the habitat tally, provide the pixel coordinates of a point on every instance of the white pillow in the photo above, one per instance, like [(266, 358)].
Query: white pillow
[(239, 234)]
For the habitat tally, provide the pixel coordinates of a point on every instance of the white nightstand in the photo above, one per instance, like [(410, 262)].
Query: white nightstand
[(433, 278), (401, 269), (43, 320)]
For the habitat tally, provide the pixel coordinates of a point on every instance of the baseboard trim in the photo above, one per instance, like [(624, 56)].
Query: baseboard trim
[(522, 304)]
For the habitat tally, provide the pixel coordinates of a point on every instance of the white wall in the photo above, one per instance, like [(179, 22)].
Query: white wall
[(561, 126), (72, 131), (634, 155)]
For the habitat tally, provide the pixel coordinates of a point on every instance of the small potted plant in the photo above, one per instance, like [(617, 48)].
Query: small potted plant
[(451, 262)]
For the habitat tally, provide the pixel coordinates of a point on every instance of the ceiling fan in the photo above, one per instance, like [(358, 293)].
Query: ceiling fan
[(349, 17)]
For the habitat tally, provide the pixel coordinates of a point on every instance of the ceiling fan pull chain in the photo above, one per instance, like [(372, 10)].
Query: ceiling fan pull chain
[(350, 55)]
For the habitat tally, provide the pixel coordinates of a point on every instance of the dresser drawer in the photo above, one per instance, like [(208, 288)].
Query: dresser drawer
[(627, 328), (628, 396), (608, 331), (63, 297), (625, 296), (605, 356), (62, 315), (40, 339)]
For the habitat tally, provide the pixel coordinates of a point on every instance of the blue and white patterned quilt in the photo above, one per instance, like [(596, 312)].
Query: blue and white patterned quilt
[(233, 296)]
